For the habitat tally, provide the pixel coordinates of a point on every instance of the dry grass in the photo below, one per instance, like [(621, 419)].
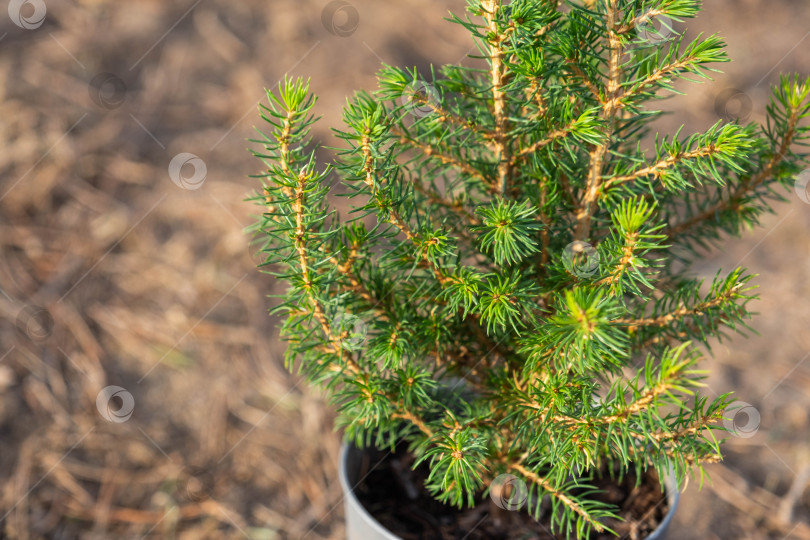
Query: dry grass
[(152, 288)]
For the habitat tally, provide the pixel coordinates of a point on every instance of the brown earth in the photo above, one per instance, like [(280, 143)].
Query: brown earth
[(113, 275)]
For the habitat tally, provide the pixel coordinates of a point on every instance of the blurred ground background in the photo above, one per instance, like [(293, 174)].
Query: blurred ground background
[(111, 274)]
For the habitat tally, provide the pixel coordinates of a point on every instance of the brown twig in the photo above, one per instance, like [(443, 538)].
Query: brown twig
[(445, 158), (562, 497), (658, 168), (611, 105), (497, 72), (667, 318)]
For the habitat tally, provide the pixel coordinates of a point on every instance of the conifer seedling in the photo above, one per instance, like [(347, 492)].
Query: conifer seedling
[(510, 289)]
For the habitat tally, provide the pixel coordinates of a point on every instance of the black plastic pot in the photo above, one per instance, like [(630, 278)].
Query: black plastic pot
[(360, 525)]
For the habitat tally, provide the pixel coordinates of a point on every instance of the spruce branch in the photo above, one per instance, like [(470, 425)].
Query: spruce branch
[(438, 154), (300, 245), (660, 68), (697, 157), (791, 104), (577, 71), (681, 313), (445, 115)]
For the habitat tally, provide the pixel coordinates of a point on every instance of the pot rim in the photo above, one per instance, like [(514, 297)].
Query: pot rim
[(349, 496), (673, 494)]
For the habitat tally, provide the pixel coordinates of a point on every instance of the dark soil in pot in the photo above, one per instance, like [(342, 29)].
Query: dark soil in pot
[(394, 494)]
